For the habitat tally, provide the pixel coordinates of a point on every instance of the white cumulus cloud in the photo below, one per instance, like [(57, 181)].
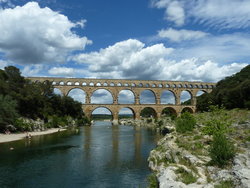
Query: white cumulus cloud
[(180, 35), (61, 71), (132, 59), (32, 35)]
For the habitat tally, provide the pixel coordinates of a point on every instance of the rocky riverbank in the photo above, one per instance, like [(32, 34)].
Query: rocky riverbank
[(182, 159)]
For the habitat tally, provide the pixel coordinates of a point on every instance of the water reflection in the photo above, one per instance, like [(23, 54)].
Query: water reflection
[(99, 156)]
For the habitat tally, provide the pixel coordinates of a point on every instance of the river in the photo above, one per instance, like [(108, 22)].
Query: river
[(102, 155)]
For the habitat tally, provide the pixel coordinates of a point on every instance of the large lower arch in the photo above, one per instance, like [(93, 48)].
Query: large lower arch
[(101, 96), (187, 109), (126, 113), (169, 112), (147, 97), (186, 98), (78, 95), (126, 97), (101, 113), (148, 112), (168, 97)]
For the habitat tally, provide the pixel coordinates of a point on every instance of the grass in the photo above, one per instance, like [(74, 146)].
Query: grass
[(152, 181), (225, 184), (185, 176)]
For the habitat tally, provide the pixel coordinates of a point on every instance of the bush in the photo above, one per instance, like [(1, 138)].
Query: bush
[(8, 112), (186, 177), (152, 181), (185, 123), (221, 150), (22, 125)]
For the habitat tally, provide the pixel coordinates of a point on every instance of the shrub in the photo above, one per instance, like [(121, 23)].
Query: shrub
[(185, 123), (221, 150), (8, 112), (186, 177), (152, 181), (22, 125)]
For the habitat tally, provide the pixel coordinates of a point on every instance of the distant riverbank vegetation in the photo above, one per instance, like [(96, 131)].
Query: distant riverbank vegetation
[(24, 105)]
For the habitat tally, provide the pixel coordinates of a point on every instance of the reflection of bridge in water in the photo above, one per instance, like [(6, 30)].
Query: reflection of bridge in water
[(157, 87)]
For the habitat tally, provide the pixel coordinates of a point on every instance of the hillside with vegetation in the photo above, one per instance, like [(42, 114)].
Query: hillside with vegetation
[(210, 148), (25, 106), (231, 92)]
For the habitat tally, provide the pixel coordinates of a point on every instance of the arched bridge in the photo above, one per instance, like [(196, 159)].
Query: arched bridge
[(115, 86)]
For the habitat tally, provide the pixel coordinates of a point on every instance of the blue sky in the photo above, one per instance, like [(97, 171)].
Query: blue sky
[(143, 39)]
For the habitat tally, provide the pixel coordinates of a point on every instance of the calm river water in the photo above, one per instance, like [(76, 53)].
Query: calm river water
[(98, 156)]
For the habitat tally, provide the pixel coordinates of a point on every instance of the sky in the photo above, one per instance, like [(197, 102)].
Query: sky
[(195, 40)]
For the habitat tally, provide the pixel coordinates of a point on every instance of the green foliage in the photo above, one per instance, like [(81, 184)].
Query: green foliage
[(225, 184), (8, 112), (221, 150), (22, 125), (185, 123), (231, 92), (83, 121), (148, 112), (152, 181), (33, 100), (185, 176)]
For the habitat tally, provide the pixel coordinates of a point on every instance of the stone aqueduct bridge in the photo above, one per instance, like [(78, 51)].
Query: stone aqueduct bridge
[(89, 86)]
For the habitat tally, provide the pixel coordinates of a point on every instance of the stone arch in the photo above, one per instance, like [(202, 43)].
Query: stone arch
[(69, 83), (200, 92), (105, 84), (168, 97), (112, 84), (101, 112), (160, 85), (91, 84), (100, 95), (147, 99), (126, 112), (98, 84), (169, 111), (167, 86), (146, 85), (76, 83), (77, 94), (128, 97), (61, 83), (187, 109), (84, 84), (133, 85), (57, 91), (119, 84), (54, 83), (186, 97), (148, 112), (126, 85), (140, 85), (153, 85)]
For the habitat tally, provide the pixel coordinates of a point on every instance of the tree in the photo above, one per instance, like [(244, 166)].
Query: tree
[(8, 112)]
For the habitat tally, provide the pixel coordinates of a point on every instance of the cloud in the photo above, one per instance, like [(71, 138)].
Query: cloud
[(62, 71), (131, 59), (180, 35), (3, 64), (225, 48), (32, 35), (221, 14), (32, 70), (174, 11), (126, 59)]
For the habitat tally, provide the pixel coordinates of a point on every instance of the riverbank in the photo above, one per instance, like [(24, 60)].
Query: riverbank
[(184, 159), (18, 136)]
